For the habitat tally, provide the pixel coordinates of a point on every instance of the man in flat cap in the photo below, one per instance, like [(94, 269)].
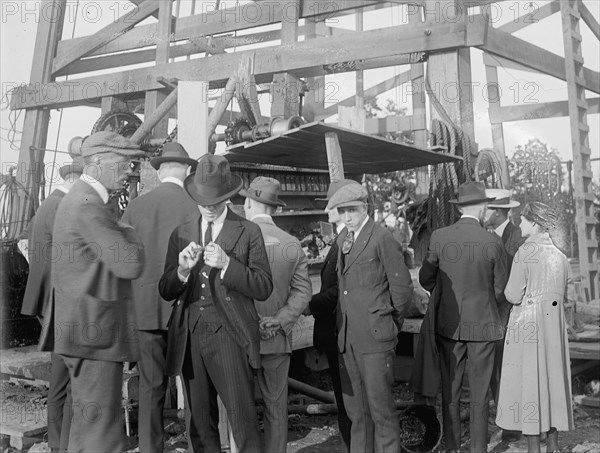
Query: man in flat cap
[(38, 300), (374, 292), (497, 221), (91, 327), (291, 292), (471, 265), (216, 267), (323, 307), (154, 216)]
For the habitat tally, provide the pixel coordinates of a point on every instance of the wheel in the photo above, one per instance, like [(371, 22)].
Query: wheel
[(120, 121)]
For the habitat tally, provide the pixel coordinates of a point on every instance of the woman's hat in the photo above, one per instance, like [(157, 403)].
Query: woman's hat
[(264, 190), (173, 152), (471, 193), (213, 182), (502, 199), (75, 167)]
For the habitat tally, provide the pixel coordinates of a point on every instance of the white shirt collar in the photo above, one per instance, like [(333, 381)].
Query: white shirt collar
[(467, 216), (218, 221), (339, 227), (500, 230), (174, 180), (62, 188), (97, 186), (357, 232), (264, 216)]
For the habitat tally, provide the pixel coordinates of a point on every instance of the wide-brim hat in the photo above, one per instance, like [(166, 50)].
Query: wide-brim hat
[(351, 194), (502, 199), (110, 142), (213, 182), (471, 193), (75, 167), (264, 190), (173, 152), (334, 187)]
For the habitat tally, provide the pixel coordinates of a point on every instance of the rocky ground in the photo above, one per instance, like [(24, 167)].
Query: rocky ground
[(319, 433)]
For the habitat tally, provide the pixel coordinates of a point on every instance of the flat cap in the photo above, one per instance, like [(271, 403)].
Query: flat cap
[(352, 194), (110, 142)]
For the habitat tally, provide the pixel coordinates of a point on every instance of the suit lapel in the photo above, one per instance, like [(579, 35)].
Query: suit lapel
[(360, 242), (230, 233)]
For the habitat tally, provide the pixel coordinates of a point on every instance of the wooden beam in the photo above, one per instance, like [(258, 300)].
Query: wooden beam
[(495, 61), (107, 34), (211, 22), (531, 18), (512, 48), (334, 157), (139, 2), (334, 54), (389, 124), (539, 111), (589, 20)]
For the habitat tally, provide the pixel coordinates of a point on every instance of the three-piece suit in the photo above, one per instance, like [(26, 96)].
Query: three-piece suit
[(470, 265), (213, 331), (374, 292)]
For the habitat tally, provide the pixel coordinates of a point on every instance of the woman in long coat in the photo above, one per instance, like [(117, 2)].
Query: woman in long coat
[(535, 389)]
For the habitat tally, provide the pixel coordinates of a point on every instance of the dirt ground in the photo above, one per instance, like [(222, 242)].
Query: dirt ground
[(319, 433)]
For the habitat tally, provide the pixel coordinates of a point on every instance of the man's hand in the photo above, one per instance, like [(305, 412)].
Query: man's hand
[(214, 256), (189, 257), (268, 327)]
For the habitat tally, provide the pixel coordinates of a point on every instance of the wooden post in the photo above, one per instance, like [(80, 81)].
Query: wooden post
[(35, 125), (334, 157), (192, 111), (314, 99)]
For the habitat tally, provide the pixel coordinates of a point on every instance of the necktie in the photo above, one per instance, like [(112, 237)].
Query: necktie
[(208, 234), (348, 241)]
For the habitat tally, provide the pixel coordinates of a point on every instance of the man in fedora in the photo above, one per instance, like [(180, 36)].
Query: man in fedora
[(155, 215), (322, 307), (38, 301), (498, 222), (471, 264), (375, 288), (91, 325), (216, 266), (291, 292)]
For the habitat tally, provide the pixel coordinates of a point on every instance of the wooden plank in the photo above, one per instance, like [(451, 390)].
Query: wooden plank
[(589, 20), (333, 54), (591, 401), (334, 156), (107, 34), (211, 22), (192, 109), (389, 124), (532, 17), (538, 111), (520, 51), (139, 2)]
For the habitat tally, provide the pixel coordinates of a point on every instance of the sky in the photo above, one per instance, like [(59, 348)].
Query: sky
[(19, 22)]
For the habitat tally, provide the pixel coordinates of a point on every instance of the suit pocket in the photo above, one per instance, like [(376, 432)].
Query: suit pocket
[(99, 327), (382, 325), (368, 272)]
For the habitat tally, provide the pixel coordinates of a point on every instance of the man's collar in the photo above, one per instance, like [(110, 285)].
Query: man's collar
[(262, 216), (97, 186), (339, 227), (174, 180), (467, 216), (500, 230), (357, 232), (220, 219)]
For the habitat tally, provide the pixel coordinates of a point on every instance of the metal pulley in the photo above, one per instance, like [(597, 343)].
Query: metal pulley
[(241, 130)]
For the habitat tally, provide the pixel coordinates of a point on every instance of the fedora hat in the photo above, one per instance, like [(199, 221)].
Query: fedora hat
[(333, 188), (351, 194), (471, 193), (75, 167), (264, 190), (213, 182), (502, 199), (173, 152)]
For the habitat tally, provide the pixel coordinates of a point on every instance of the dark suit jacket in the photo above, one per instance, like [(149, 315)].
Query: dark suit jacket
[(472, 265), (374, 290), (93, 314), (248, 277), (39, 288), (323, 304), (154, 216)]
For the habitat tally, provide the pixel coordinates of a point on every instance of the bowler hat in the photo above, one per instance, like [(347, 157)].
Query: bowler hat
[(173, 152), (351, 194), (333, 188), (213, 182), (75, 167), (502, 199), (471, 193), (110, 142), (264, 190)]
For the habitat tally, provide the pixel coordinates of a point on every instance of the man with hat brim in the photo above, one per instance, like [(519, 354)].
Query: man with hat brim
[(471, 265), (96, 259), (322, 307), (37, 299), (216, 266), (291, 292), (375, 288), (155, 215), (497, 221)]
